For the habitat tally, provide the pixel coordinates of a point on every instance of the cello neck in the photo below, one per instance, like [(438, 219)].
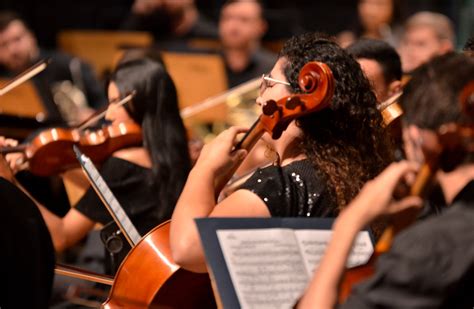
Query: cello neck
[(247, 142)]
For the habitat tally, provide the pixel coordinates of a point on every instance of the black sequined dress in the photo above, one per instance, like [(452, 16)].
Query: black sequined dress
[(293, 190)]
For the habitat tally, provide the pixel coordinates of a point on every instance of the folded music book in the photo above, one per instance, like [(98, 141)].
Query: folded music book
[(268, 262)]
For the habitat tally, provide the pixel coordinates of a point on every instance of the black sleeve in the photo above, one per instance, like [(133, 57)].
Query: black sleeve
[(262, 183), (427, 267), (291, 191)]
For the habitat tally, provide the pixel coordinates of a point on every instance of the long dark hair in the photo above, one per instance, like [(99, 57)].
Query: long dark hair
[(346, 142), (155, 109)]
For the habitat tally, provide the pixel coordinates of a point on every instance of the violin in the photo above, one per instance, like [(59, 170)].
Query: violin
[(148, 276), (457, 141), (50, 152)]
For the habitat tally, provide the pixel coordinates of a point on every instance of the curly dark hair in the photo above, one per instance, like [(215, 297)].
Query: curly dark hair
[(346, 142)]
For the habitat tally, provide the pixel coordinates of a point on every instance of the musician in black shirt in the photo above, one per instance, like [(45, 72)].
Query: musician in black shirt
[(146, 179), (430, 264)]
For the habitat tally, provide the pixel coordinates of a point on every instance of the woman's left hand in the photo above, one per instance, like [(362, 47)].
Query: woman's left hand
[(217, 156)]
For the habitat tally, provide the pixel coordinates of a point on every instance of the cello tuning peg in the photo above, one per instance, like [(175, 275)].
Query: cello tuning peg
[(270, 108), (293, 102)]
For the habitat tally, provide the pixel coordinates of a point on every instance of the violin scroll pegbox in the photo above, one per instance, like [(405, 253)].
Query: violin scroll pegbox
[(317, 84)]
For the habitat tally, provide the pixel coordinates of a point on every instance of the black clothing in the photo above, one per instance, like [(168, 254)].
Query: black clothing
[(27, 255), (62, 68), (131, 185), (431, 265), (159, 23), (261, 62), (293, 190)]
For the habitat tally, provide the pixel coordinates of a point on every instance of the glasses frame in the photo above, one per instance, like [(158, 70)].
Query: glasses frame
[(266, 78)]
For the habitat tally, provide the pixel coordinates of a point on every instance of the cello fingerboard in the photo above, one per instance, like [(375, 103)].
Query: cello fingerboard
[(108, 198)]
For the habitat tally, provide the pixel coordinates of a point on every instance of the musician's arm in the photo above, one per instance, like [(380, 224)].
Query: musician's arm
[(64, 231), (323, 289), (67, 231), (198, 200), (374, 200)]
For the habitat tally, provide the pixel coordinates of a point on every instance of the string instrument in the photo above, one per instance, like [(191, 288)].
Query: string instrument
[(148, 276), (50, 151), (390, 109), (456, 141), (26, 75)]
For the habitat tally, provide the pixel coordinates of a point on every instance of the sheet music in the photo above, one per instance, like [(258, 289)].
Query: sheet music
[(313, 244), (265, 265), (271, 267), (116, 210)]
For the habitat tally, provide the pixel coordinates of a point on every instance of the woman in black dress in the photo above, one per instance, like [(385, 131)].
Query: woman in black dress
[(146, 180), (325, 157)]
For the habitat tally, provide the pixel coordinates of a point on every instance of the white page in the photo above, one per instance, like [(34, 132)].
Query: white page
[(313, 244), (265, 266)]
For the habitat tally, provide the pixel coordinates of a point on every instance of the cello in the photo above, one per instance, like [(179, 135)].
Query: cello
[(148, 277)]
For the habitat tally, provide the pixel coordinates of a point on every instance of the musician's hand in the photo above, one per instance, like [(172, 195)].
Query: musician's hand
[(217, 156), (16, 160), (376, 197), (5, 170)]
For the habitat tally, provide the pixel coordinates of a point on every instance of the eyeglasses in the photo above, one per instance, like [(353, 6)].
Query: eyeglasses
[(268, 82)]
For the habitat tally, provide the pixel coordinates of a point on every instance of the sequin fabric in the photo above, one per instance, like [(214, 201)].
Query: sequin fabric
[(293, 190)]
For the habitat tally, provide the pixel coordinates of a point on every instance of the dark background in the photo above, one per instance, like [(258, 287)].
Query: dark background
[(48, 17)]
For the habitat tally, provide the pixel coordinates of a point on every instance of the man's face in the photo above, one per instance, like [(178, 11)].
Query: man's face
[(17, 46), (419, 45), (241, 24), (373, 72), (375, 13)]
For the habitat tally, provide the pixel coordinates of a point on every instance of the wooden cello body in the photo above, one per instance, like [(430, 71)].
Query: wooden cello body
[(149, 278)]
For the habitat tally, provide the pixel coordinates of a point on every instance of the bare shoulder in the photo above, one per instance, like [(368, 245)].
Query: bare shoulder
[(241, 203), (136, 155)]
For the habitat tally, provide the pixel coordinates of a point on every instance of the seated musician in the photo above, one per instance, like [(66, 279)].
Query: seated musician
[(431, 263), (381, 64), (324, 158), (19, 50), (146, 180)]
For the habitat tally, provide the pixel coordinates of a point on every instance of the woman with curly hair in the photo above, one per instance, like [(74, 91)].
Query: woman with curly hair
[(324, 157)]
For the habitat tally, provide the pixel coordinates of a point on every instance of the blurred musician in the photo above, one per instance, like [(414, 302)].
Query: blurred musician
[(65, 79), (431, 263), (146, 180)]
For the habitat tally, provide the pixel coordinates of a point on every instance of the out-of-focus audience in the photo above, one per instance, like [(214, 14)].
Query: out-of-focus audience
[(425, 36)]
